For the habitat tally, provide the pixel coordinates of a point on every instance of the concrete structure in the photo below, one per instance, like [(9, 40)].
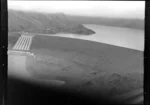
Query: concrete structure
[(23, 43)]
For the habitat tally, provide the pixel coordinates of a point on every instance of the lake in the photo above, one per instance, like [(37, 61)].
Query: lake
[(118, 36)]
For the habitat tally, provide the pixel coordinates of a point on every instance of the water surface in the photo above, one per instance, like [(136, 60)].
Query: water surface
[(118, 36)]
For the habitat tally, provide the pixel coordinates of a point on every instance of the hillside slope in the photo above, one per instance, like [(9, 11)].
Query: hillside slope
[(43, 23)]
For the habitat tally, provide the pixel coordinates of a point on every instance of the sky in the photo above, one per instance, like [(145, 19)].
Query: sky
[(116, 9)]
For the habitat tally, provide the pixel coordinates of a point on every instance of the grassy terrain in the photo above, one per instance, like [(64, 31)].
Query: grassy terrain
[(86, 65)]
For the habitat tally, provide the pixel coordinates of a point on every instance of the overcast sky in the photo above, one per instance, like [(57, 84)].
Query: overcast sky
[(123, 9)]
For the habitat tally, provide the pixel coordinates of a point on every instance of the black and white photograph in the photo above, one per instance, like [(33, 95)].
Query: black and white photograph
[(75, 52)]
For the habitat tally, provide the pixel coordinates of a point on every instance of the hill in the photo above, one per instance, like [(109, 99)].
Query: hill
[(43, 23), (92, 66), (87, 67), (116, 22)]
